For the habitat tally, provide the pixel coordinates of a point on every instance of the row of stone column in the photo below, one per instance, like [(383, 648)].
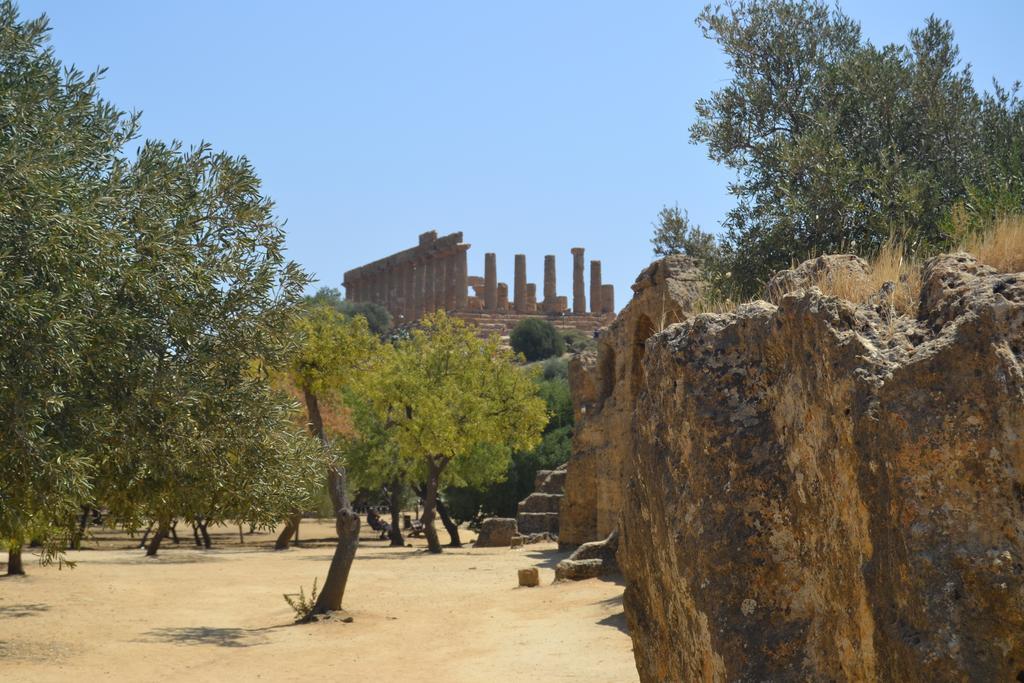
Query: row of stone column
[(602, 297), (417, 285)]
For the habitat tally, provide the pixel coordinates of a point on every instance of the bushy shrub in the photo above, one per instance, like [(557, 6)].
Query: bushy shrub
[(536, 339), (578, 342), (555, 368)]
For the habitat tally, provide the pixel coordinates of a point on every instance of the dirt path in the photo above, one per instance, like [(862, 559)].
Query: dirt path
[(218, 615)]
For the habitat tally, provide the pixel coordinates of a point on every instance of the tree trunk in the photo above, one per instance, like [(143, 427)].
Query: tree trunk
[(451, 527), (346, 522), (174, 532), (161, 532), (206, 536), (395, 502), (195, 534), (430, 504), (14, 566), (291, 528)]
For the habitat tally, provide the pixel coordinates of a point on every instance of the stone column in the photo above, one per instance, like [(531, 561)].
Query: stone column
[(490, 282), (607, 298), (451, 280), (461, 278), (550, 283), (595, 287), (531, 297), (502, 304), (420, 289), (519, 284), (579, 296), (430, 293)]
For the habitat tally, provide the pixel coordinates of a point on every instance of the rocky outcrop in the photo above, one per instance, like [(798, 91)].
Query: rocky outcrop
[(590, 560), (604, 387), (496, 532), (821, 494), (538, 513), (822, 271)]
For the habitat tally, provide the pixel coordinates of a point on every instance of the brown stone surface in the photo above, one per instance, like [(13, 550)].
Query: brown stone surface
[(820, 494), (604, 390), (519, 284), (528, 577), (607, 298), (813, 272), (502, 296), (596, 299), (491, 282), (550, 281), (579, 296), (590, 560), (496, 532)]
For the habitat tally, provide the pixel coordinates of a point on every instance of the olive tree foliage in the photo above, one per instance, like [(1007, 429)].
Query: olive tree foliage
[(674, 233), (376, 315), (141, 301), (59, 145), (448, 408), (210, 303), (838, 143)]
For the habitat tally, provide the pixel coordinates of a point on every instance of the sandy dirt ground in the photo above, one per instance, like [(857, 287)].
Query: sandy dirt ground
[(218, 615)]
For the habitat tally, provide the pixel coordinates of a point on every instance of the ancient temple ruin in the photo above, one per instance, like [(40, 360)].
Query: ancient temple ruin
[(435, 275)]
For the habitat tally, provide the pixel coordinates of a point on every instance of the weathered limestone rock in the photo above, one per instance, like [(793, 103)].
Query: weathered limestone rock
[(604, 389), (578, 570), (538, 512), (816, 271), (820, 494), (590, 560), (529, 577), (496, 532)]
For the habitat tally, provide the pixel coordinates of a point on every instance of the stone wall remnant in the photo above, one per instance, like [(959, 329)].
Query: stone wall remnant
[(821, 491), (604, 388)]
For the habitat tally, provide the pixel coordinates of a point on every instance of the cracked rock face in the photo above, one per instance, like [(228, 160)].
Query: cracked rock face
[(604, 388), (820, 494)]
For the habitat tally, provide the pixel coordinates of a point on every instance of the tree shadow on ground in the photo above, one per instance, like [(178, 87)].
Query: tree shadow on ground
[(618, 619), (207, 635), (25, 610), (548, 559)]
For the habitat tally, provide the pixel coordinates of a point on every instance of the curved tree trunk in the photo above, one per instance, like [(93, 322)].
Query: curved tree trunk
[(206, 536), (161, 532), (346, 522), (291, 528), (14, 566), (395, 502), (430, 505), (451, 527)]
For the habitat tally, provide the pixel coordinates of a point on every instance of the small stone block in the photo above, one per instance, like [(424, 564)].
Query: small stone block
[(529, 577)]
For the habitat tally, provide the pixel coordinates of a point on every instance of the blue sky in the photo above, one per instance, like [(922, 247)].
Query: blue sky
[(533, 127)]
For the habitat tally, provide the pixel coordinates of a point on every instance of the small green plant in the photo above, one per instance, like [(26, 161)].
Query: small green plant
[(302, 605)]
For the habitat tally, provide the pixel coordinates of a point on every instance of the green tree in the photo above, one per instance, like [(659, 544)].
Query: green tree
[(59, 146), (501, 498), (376, 315), (536, 339), (142, 301), (337, 352), (837, 143), (675, 234), (459, 406)]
